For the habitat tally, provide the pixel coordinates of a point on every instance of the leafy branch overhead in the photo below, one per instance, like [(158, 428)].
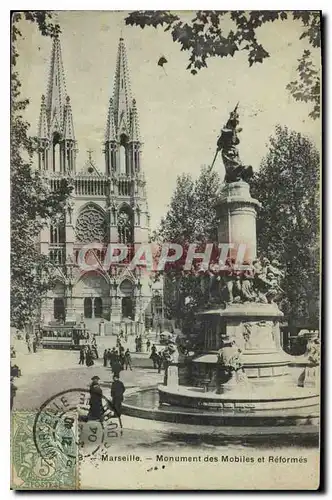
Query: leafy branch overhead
[(206, 36)]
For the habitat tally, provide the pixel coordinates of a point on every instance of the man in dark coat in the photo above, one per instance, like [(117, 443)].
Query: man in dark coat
[(127, 360), (89, 358), (105, 357), (82, 356), (160, 361), (116, 367), (96, 410), (109, 356), (117, 391), (154, 356)]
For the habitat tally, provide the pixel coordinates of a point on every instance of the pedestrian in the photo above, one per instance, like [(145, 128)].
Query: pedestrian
[(109, 357), (105, 357), (94, 347), (127, 358), (121, 334), (34, 345), (148, 345), (89, 358), (112, 356), (82, 356), (160, 361), (122, 359), (13, 390), (116, 366), (96, 410), (117, 391), (28, 341), (136, 344)]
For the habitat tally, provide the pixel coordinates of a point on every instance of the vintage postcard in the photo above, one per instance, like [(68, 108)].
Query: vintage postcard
[(165, 250)]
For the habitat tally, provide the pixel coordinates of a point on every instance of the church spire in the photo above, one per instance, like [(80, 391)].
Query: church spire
[(134, 126), (56, 92), (68, 125), (43, 125), (57, 150), (122, 138), (110, 133), (122, 92)]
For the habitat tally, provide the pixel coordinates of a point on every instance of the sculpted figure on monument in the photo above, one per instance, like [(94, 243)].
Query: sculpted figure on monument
[(267, 280), (313, 350), (227, 144), (229, 356)]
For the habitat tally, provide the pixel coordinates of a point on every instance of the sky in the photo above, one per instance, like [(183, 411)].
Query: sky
[(180, 114)]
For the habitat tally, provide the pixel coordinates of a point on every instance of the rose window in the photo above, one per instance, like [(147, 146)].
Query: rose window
[(91, 226)]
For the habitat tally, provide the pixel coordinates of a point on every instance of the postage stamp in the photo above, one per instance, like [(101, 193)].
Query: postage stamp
[(47, 445), (29, 469)]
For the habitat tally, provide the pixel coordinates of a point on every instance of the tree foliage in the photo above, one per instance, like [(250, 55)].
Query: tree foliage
[(33, 205), (287, 185), (191, 218), (205, 37)]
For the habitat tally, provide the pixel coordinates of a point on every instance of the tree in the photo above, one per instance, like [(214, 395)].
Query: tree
[(191, 218), (33, 205), (287, 185), (205, 37)]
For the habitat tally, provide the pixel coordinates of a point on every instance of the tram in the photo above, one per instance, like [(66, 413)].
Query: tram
[(64, 336)]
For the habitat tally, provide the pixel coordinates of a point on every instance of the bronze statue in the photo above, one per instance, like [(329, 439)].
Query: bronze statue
[(227, 144)]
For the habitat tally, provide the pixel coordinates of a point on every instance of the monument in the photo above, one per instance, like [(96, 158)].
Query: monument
[(243, 366)]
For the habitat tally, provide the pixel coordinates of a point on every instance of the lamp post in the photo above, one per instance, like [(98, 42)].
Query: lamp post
[(139, 294), (69, 282)]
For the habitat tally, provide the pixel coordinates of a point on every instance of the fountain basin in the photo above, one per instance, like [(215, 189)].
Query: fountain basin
[(145, 404), (242, 398)]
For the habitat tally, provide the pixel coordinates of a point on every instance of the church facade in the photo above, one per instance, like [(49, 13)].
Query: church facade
[(107, 204)]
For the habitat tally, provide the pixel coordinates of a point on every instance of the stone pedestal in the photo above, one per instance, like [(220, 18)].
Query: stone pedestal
[(236, 210), (255, 330), (173, 376), (70, 311), (101, 328), (143, 347)]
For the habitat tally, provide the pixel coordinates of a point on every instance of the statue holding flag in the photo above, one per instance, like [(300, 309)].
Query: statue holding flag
[(227, 144)]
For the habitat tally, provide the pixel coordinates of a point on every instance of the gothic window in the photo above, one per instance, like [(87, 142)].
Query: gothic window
[(136, 159), (88, 307), (124, 167), (58, 232), (56, 152), (125, 226), (113, 157), (98, 307), (91, 225)]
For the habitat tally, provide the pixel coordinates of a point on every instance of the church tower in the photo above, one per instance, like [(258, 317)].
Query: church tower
[(57, 144), (128, 211), (108, 204)]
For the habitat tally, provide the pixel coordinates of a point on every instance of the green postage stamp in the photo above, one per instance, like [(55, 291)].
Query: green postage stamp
[(33, 468)]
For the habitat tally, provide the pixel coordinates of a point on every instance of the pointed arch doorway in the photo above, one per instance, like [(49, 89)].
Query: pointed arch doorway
[(88, 307)]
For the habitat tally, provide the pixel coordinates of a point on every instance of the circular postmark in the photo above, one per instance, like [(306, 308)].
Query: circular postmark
[(62, 427)]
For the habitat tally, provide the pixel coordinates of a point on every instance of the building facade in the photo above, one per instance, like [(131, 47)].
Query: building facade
[(108, 204)]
